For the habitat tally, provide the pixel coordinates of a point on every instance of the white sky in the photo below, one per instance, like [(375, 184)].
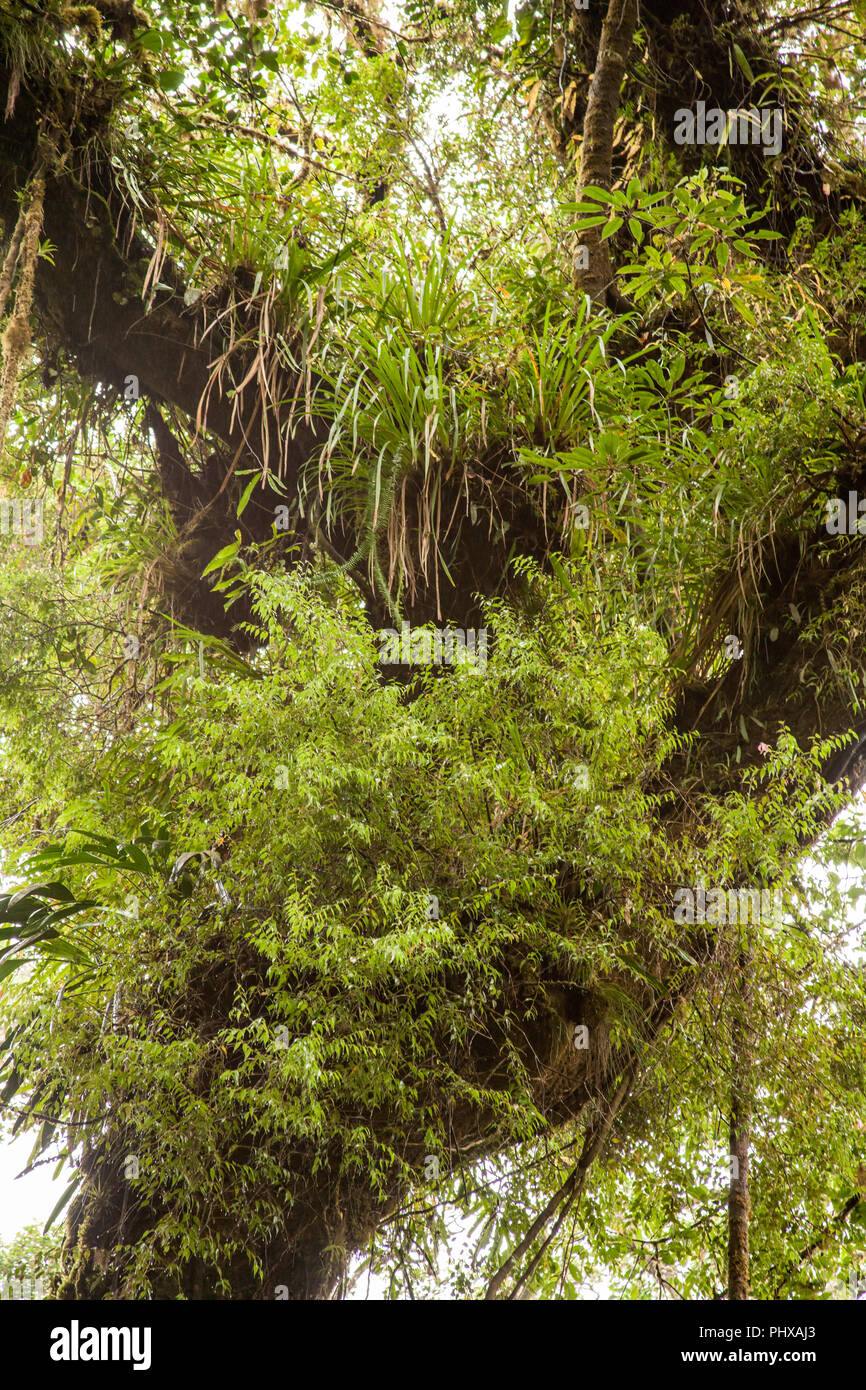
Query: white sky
[(28, 1199)]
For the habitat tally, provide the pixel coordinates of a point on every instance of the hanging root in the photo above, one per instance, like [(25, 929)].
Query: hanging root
[(16, 338)]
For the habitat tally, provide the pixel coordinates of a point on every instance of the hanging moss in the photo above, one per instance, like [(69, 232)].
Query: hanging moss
[(16, 337)]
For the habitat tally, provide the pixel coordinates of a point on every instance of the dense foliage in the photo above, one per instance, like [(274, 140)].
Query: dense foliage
[(317, 960)]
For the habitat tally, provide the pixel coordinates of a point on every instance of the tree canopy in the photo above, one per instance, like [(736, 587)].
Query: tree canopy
[(432, 674)]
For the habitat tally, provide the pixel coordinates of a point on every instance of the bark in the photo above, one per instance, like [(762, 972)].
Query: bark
[(597, 148), (739, 1202), (307, 1259)]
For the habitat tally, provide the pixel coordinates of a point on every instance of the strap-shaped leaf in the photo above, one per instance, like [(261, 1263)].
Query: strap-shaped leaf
[(61, 1204), (54, 889)]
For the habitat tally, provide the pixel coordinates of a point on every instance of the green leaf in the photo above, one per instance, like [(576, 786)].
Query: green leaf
[(559, 570), (65, 950), (55, 890), (743, 64), (150, 41), (222, 557), (744, 310), (584, 223), (14, 1081), (171, 79), (10, 965), (247, 494), (596, 195), (62, 1203)]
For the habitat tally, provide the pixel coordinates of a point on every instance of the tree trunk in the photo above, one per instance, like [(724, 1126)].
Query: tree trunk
[(597, 148), (739, 1205)]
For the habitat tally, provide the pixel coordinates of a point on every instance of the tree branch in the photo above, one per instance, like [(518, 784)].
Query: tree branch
[(596, 151)]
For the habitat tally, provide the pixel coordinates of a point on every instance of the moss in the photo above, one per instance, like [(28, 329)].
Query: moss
[(89, 19), (16, 337), (123, 18), (85, 17)]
